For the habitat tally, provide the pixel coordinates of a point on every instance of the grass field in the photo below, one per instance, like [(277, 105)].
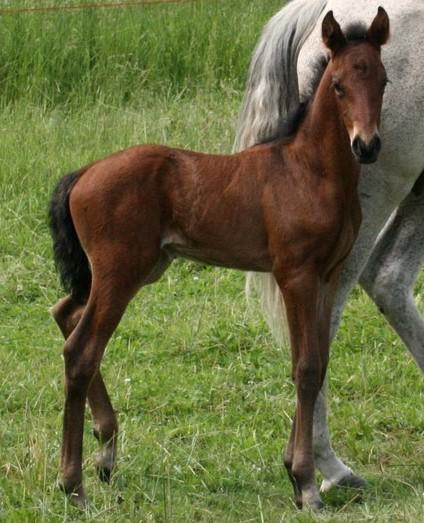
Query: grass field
[(203, 395), (110, 54)]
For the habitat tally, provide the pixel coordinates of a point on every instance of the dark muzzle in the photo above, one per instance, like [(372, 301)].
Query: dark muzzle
[(366, 153)]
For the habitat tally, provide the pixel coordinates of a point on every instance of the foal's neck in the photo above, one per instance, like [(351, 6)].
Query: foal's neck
[(324, 131)]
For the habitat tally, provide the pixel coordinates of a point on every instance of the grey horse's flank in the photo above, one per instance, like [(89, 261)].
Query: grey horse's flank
[(389, 251)]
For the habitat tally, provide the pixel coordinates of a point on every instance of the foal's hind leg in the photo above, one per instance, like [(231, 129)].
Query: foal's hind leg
[(67, 313), (116, 278), (83, 352)]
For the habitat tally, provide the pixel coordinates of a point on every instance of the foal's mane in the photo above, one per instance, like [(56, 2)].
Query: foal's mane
[(354, 33)]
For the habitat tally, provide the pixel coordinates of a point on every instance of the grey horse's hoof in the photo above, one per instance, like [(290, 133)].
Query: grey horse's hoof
[(351, 481)]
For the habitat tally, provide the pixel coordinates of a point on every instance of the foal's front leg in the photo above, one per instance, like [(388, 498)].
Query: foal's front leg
[(301, 296)]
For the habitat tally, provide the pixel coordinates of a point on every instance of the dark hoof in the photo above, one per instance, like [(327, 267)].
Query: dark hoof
[(104, 465), (104, 474), (79, 501), (353, 481), (315, 506), (76, 496), (350, 481)]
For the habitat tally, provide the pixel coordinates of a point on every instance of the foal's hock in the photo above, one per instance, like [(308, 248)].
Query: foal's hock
[(288, 206)]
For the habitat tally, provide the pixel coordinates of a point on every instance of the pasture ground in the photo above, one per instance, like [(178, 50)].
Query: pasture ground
[(203, 394)]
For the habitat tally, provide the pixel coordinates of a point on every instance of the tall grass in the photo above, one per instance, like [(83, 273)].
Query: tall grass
[(111, 54)]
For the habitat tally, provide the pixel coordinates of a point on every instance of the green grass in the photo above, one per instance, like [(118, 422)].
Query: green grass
[(203, 395), (63, 57)]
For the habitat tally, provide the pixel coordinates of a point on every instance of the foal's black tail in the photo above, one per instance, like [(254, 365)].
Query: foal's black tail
[(70, 259)]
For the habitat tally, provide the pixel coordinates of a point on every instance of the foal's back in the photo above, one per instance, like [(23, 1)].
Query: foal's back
[(190, 204)]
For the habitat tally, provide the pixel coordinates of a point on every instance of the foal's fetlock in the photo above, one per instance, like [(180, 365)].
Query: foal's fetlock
[(288, 463)]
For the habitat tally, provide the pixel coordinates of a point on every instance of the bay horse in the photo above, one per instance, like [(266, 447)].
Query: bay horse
[(389, 251), (288, 206)]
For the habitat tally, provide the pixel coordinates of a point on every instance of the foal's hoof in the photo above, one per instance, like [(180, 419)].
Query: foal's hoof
[(351, 480), (315, 505), (76, 496), (311, 500), (104, 473), (79, 501), (105, 463)]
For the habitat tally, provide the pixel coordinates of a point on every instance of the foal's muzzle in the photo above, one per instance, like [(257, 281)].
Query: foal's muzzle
[(366, 152)]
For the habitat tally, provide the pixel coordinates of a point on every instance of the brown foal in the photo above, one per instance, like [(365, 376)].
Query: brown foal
[(288, 206)]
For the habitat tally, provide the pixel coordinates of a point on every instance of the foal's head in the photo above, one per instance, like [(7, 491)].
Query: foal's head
[(358, 80)]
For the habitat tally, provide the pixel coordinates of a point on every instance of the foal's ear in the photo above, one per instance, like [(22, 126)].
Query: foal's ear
[(332, 35), (379, 31)]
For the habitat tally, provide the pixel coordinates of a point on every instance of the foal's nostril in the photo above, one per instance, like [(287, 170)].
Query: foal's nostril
[(356, 146), (375, 144)]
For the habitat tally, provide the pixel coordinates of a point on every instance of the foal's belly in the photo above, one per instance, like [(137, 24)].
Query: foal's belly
[(245, 256)]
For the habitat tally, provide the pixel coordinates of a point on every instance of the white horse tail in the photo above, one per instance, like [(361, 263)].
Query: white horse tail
[(272, 94)]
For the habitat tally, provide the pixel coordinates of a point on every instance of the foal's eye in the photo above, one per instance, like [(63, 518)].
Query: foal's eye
[(338, 89)]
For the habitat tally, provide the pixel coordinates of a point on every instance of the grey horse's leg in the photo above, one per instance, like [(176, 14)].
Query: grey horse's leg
[(335, 472), (391, 272)]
